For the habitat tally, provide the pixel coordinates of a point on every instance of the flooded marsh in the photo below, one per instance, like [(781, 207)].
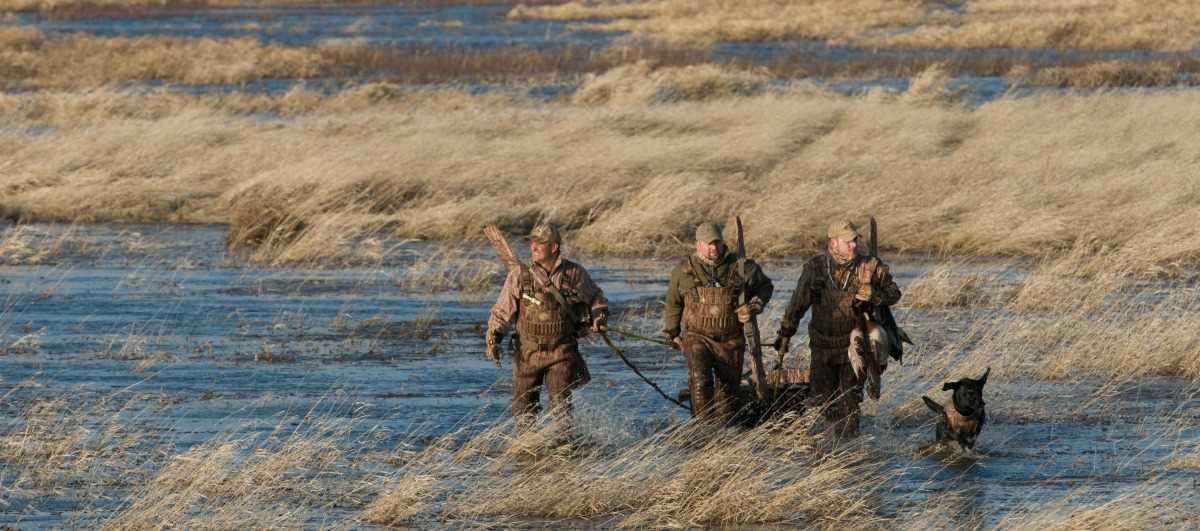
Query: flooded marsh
[(243, 285), (139, 390)]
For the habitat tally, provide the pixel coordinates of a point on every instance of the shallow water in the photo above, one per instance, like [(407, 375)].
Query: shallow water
[(478, 26), (165, 315)]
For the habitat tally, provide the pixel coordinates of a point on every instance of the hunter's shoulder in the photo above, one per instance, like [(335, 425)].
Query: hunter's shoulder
[(815, 261), (752, 265)]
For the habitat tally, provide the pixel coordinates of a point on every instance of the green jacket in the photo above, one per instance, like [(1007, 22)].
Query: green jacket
[(756, 284)]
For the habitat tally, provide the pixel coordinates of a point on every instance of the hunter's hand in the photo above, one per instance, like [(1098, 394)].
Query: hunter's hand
[(600, 324), (781, 344), (493, 353), (748, 310), (674, 342), (866, 293)]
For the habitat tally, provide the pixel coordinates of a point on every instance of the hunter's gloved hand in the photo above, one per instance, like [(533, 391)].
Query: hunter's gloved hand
[(863, 306), (782, 343), (674, 341), (493, 353), (600, 323), (865, 293), (748, 310)]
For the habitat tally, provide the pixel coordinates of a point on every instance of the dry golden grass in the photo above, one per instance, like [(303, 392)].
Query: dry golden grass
[(451, 269), (1088, 24), (642, 83), (56, 444), (1030, 177), (684, 477), (1153, 505), (93, 8), (1057, 327), (946, 286), (1102, 74), (25, 245), (28, 61), (718, 20)]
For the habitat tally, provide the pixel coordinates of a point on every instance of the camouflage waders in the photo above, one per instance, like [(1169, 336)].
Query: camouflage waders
[(549, 354), (714, 346)]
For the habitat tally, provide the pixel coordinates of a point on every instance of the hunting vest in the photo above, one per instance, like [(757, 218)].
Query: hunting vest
[(832, 299), (552, 320), (709, 309)]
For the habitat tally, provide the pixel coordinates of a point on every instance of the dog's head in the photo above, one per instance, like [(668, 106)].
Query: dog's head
[(968, 394)]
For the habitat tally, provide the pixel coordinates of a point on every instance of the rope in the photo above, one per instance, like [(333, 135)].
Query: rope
[(632, 335), (635, 369)]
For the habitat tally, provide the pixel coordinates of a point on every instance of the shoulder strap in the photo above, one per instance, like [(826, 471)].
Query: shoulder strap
[(563, 307)]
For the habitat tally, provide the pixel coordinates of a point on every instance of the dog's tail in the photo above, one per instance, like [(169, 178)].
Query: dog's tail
[(933, 406)]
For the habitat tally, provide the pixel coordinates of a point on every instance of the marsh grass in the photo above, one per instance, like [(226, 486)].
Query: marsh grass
[(450, 268), (1154, 505), (683, 477), (633, 176), (1086, 24), (1103, 74), (56, 443), (947, 285), (276, 480), (23, 244), (150, 8), (642, 83), (85, 61), (31, 60)]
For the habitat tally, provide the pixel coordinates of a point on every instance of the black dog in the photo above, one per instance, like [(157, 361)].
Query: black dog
[(962, 423)]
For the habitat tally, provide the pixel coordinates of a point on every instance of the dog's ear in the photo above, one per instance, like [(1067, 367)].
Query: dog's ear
[(983, 379), (933, 406), (950, 386)]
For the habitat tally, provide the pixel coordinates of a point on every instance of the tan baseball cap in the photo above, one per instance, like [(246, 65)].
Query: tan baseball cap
[(843, 230), (708, 232), (545, 233)]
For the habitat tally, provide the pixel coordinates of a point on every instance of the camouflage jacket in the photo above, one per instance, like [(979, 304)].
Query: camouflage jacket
[(755, 285), (508, 306), (822, 285)]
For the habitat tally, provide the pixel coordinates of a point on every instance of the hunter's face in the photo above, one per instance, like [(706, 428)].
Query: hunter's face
[(842, 247), (543, 252), (710, 251)]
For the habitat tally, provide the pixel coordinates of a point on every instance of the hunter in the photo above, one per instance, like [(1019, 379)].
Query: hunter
[(702, 296), (551, 302), (836, 284)]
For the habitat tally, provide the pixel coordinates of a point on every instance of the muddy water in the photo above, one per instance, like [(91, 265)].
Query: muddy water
[(165, 315)]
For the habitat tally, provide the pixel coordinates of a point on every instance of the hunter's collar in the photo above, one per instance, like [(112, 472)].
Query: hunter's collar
[(726, 258), (558, 262)]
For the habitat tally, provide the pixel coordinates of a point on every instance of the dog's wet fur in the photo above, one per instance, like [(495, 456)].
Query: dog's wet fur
[(961, 423)]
